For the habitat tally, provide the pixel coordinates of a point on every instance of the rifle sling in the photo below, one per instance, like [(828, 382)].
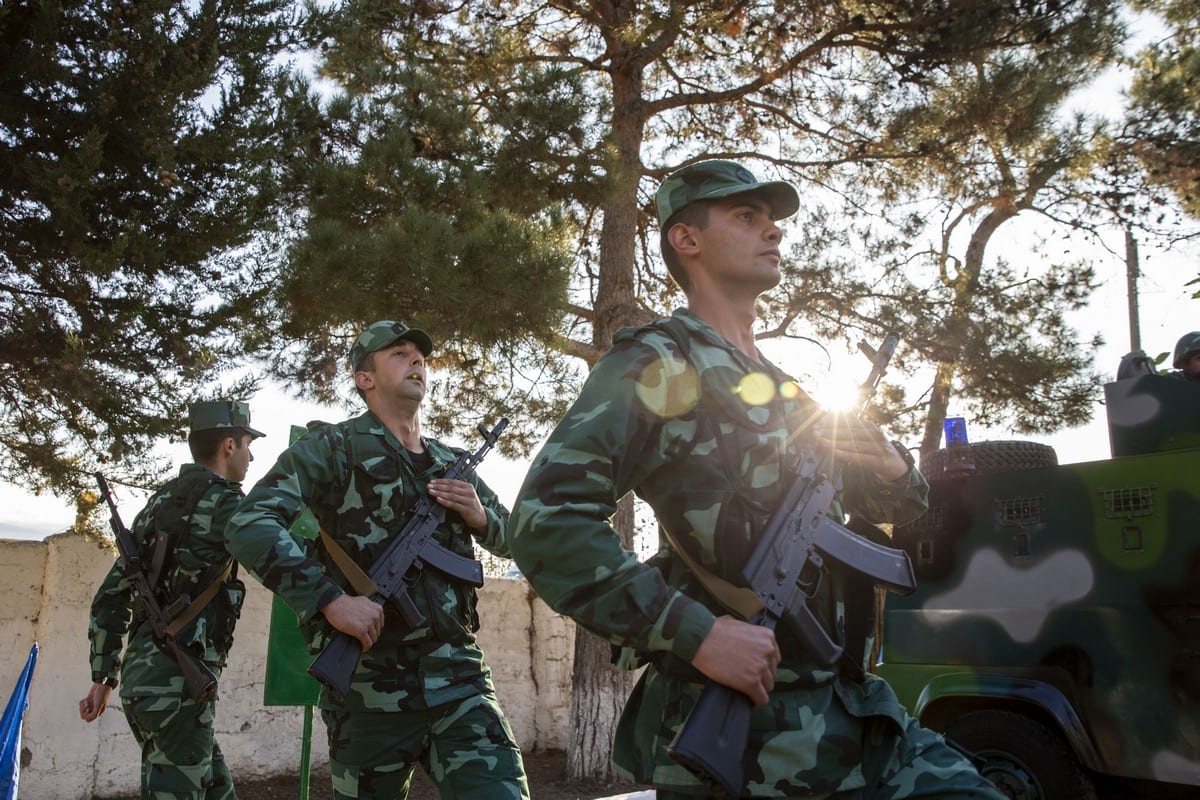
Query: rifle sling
[(197, 605), (157, 559), (359, 580), (452, 564), (737, 599)]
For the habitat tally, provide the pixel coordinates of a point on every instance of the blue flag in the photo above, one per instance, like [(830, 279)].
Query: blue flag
[(10, 729)]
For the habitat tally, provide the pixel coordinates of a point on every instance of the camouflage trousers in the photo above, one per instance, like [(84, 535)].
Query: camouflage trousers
[(180, 756), (466, 747), (915, 763), (819, 738)]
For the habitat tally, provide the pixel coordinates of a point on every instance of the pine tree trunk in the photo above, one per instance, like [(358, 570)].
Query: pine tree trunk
[(598, 691), (958, 324)]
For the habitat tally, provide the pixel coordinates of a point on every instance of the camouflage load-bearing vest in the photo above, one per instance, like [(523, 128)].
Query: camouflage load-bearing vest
[(363, 529), (176, 574), (736, 436)]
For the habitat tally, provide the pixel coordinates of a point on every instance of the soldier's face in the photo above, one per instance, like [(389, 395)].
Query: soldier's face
[(740, 244), (1191, 367), (239, 462), (398, 372)]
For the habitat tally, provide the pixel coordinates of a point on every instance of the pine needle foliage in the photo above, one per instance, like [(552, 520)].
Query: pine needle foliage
[(140, 151), (437, 201), (1164, 112), (450, 116), (989, 333)]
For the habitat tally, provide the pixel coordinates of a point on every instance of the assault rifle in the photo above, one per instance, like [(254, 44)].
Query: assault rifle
[(398, 568), (197, 677), (784, 572)]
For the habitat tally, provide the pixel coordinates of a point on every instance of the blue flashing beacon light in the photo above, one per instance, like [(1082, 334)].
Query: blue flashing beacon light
[(956, 431)]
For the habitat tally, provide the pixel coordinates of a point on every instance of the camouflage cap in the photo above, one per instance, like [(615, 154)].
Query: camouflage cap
[(1188, 345), (209, 415), (709, 180), (384, 333)]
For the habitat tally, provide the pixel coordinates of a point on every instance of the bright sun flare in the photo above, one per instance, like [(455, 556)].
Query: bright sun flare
[(836, 392)]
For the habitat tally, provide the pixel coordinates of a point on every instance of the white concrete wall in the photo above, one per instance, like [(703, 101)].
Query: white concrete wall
[(46, 591)]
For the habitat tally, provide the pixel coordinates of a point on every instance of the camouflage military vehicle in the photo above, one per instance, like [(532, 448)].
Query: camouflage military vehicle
[(1055, 631)]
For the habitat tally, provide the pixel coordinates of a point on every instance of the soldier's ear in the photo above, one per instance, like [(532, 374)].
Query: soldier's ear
[(682, 237), (364, 380)]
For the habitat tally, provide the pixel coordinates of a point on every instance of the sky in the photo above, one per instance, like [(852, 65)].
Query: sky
[(1166, 312)]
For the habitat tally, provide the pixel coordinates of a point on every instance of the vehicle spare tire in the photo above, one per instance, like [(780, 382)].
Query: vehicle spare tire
[(986, 458), (1022, 757)]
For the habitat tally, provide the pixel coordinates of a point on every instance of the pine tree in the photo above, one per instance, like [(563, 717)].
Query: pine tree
[(1162, 128), (999, 145), (140, 152), (436, 201), (1163, 118)]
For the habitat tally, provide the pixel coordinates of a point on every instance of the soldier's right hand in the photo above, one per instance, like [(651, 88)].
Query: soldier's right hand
[(96, 701), (741, 656), (357, 616)]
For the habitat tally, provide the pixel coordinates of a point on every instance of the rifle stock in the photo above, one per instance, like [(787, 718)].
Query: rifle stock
[(712, 748), (198, 679), (334, 666)]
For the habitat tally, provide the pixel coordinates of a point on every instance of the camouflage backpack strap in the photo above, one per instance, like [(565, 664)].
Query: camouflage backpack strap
[(355, 575), (156, 546), (738, 600), (184, 498), (175, 533)]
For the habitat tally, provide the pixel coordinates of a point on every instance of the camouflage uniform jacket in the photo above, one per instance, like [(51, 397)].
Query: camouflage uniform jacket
[(361, 483), (706, 438), (203, 502)]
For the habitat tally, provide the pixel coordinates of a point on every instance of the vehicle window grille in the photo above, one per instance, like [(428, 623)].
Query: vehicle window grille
[(1018, 511), (1137, 501), (932, 521)]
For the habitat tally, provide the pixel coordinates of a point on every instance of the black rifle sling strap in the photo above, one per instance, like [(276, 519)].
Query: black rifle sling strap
[(158, 557)]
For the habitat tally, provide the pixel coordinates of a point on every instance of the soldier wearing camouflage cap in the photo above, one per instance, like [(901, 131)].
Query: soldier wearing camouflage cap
[(688, 414), (181, 535), (1187, 357), (420, 695)]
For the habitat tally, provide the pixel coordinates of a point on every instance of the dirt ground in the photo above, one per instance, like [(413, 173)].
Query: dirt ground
[(547, 781)]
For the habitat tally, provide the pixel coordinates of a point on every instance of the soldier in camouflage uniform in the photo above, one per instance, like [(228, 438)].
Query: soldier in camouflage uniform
[(420, 695), (180, 756), (689, 415), (1187, 357)]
